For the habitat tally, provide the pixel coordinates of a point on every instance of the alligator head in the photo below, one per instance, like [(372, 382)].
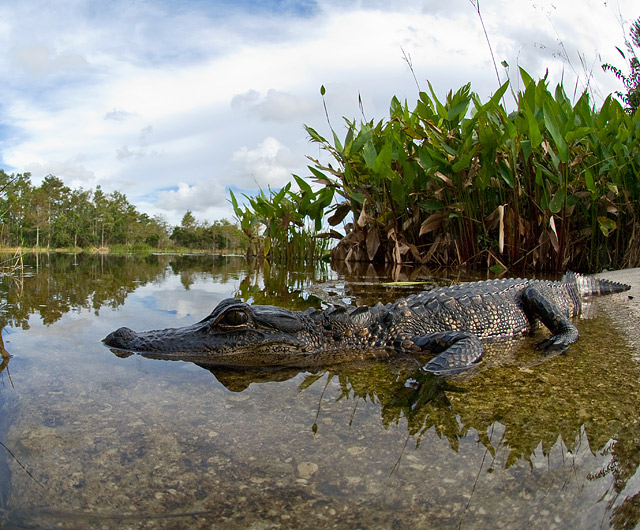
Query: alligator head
[(235, 333)]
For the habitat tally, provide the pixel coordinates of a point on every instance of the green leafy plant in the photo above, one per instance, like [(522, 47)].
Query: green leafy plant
[(461, 181), (281, 225)]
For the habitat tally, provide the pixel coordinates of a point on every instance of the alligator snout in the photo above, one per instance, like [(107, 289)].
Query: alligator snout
[(120, 338)]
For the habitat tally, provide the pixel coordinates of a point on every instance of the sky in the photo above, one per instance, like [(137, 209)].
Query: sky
[(173, 103)]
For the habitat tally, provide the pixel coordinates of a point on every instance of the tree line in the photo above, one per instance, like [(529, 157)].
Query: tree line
[(219, 235), (52, 215)]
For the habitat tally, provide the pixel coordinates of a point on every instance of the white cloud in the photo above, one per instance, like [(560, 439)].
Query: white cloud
[(197, 198), (141, 150), (39, 59), (275, 105), (269, 163), (76, 174), (118, 115), (207, 200)]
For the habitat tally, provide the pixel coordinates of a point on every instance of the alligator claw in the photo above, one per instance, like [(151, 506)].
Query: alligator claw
[(553, 344)]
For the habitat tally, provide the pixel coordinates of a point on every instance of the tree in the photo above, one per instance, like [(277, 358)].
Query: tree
[(79, 218), (103, 217), (188, 221), (631, 81), (53, 215), (57, 197), (17, 191)]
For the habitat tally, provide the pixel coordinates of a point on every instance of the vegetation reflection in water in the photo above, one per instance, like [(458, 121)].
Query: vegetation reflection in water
[(521, 440)]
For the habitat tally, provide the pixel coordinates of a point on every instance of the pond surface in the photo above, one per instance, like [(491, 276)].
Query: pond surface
[(92, 440)]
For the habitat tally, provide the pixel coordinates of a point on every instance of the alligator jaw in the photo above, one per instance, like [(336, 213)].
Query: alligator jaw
[(147, 341), (200, 342)]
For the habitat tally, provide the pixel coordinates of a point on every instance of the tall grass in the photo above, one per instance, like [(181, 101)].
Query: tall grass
[(549, 186)]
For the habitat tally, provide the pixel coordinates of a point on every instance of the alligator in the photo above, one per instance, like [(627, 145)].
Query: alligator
[(452, 323)]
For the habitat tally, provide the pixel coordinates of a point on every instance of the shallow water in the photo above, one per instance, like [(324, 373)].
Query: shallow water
[(100, 441)]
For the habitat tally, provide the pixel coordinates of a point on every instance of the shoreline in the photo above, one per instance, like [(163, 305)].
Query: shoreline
[(624, 308)]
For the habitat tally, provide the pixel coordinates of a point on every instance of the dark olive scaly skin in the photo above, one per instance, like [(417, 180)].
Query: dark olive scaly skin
[(450, 322)]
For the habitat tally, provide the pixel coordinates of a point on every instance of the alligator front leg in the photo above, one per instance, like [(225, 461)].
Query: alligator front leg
[(457, 351), (563, 330)]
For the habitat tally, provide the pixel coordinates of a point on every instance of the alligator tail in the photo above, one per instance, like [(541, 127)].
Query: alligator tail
[(589, 286)]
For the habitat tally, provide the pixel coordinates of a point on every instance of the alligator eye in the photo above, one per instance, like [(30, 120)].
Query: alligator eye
[(234, 318)]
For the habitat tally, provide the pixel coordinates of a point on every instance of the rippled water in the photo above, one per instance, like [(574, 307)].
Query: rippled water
[(92, 440)]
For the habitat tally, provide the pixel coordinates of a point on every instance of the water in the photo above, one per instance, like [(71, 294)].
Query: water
[(100, 441)]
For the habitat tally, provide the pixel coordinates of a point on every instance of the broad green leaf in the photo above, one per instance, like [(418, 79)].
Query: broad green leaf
[(369, 153), (398, 192), (395, 109), (534, 129), (588, 180), (318, 174), (577, 134), (314, 135), (362, 138), (302, 184), (464, 162), (234, 203), (606, 225), (356, 196), (506, 174), (442, 112), (554, 129), (457, 112), (384, 158), (495, 99), (557, 201), (348, 141), (526, 78), (336, 143)]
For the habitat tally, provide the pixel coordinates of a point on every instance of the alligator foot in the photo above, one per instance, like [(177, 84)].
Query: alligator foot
[(541, 307), (558, 343), (457, 351)]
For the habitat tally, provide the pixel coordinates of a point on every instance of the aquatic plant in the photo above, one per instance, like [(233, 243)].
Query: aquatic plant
[(549, 186), (282, 225)]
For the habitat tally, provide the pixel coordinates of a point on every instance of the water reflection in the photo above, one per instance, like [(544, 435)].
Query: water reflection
[(535, 408), (55, 284), (371, 442), (533, 403)]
